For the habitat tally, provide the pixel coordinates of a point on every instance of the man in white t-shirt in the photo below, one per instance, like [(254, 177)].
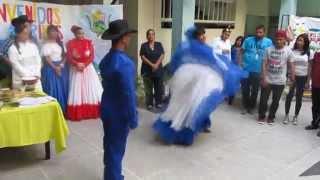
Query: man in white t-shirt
[(274, 76), (222, 44)]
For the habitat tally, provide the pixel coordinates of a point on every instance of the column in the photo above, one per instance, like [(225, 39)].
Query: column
[(182, 18), (288, 7), (131, 13)]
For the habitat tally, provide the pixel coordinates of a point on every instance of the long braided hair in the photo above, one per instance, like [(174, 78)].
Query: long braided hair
[(19, 28)]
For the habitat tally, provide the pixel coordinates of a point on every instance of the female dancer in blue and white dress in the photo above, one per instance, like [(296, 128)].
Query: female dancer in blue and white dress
[(55, 72), (200, 82)]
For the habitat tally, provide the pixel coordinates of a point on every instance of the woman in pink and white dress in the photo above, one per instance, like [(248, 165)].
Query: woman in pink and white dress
[(85, 86)]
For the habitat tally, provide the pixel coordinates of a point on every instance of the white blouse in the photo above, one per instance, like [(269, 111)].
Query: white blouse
[(301, 62), (25, 63), (219, 46), (52, 50)]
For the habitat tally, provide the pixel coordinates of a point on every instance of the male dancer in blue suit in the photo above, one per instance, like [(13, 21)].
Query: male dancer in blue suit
[(118, 105)]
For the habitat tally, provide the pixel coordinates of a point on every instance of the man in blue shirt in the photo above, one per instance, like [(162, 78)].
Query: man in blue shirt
[(118, 104), (253, 54)]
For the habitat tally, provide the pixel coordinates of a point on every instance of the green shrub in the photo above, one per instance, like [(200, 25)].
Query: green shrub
[(140, 91)]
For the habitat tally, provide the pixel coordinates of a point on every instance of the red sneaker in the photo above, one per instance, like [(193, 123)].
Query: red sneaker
[(261, 121)]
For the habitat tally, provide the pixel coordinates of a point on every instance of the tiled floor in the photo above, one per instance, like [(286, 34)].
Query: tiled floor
[(237, 149)]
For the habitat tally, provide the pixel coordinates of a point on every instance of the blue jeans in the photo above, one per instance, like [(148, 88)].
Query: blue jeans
[(250, 89), (276, 91), (297, 87), (315, 106)]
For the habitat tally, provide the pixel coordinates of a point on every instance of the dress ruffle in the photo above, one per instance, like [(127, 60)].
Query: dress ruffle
[(84, 94), (221, 78), (56, 86)]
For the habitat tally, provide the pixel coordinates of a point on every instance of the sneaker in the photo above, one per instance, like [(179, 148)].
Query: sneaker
[(270, 122), (244, 111), (318, 134), (261, 121), (250, 111), (230, 101), (311, 127), (286, 119), (149, 107), (159, 106), (207, 130), (295, 120)]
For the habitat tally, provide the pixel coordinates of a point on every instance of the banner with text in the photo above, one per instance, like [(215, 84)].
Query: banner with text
[(94, 20), (309, 25)]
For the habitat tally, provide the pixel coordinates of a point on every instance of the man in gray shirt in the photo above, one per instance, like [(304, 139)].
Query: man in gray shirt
[(274, 77)]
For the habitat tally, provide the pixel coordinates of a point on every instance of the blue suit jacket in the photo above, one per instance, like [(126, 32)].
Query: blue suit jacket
[(118, 103)]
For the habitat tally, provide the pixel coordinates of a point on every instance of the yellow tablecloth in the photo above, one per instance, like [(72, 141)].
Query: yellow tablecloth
[(33, 125)]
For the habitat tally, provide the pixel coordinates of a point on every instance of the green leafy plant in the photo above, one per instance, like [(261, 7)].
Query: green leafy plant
[(140, 91)]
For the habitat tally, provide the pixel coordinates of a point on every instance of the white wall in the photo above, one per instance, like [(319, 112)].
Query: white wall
[(107, 1), (258, 7), (150, 17)]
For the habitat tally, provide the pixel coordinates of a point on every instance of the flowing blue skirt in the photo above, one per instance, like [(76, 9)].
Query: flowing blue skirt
[(200, 82), (55, 85)]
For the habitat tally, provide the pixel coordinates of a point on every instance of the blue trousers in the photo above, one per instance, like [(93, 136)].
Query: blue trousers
[(114, 144)]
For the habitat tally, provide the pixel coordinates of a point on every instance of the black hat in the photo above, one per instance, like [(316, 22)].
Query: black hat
[(117, 29), (15, 22), (20, 20), (25, 18), (227, 29)]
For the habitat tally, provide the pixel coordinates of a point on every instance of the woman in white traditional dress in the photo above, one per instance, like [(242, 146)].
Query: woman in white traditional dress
[(25, 60), (200, 82), (85, 87)]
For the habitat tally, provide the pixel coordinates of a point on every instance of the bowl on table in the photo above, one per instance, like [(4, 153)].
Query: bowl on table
[(10, 95), (6, 94), (4, 90), (30, 83), (30, 80)]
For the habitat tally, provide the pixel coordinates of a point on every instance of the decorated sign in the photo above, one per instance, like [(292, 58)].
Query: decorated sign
[(309, 25), (94, 20)]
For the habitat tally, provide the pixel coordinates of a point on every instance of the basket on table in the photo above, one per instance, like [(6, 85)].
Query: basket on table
[(8, 95)]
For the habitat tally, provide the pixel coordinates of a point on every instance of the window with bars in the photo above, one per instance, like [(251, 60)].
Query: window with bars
[(209, 13)]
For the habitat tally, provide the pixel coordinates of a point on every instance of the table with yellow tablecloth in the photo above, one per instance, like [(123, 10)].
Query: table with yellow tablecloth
[(22, 126)]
